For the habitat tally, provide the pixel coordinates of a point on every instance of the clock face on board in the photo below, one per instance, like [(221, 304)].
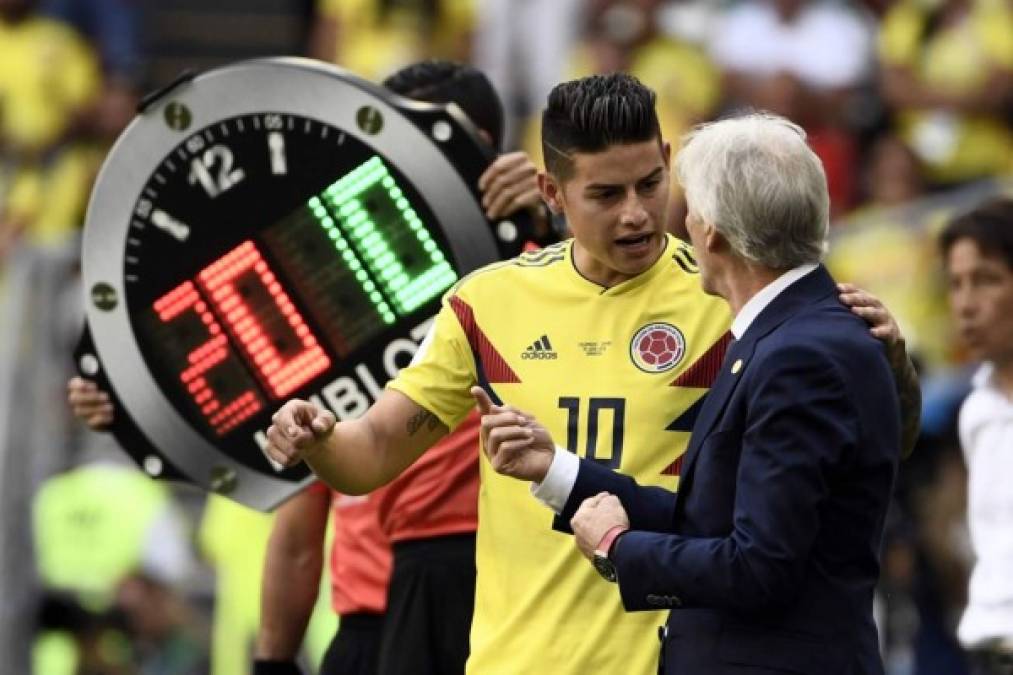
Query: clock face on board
[(271, 230)]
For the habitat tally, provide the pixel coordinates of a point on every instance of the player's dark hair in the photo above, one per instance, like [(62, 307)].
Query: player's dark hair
[(989, 226), (593, 113), (438, 81)]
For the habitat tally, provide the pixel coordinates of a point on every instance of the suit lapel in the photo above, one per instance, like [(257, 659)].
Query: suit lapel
[(810, 288), (721, 391)]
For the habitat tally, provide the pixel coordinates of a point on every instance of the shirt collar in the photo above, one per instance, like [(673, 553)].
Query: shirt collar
[(982, 377), (759, 302)]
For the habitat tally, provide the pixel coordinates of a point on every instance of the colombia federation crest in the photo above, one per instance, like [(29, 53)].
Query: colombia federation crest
[(657, 347)]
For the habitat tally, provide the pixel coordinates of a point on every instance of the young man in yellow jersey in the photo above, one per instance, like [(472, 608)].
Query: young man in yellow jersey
[(607, 338)]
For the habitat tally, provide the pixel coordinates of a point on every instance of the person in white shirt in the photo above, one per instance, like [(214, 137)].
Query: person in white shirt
[(978, 253)]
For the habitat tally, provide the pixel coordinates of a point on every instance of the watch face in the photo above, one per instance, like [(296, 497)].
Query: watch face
[(272, 230), (606, 568)]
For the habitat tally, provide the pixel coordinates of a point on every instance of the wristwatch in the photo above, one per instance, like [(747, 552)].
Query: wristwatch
[(601, 560)]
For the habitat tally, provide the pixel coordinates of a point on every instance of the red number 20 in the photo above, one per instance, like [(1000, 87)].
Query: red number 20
[(276, 342)]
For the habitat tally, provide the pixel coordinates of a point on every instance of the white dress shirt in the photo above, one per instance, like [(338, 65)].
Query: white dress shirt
[(986, 436), (555, 488)]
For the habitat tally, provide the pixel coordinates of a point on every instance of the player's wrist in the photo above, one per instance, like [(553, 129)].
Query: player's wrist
[(543, 463)]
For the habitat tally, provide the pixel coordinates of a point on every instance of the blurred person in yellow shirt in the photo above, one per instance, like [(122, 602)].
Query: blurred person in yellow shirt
[(885, 250), (947, 70), (373, 38), (49, 77)]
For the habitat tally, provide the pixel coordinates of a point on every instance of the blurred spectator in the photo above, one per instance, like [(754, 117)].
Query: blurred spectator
[(523, 46), (805, 60), (87, 542), (372, 38), (626, 35), (77, 641), (947, 69), (689, 20), (167, 635), (234, 540), (893, 174), (878, 7), (133, 559), (113, 26), (879, 250), (938, 507), (978, 253), (48, 78)]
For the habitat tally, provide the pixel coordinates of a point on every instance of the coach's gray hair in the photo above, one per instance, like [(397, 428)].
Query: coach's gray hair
[(757, 181)]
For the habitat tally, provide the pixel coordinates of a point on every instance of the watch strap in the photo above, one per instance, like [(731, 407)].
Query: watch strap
[(608, 540)]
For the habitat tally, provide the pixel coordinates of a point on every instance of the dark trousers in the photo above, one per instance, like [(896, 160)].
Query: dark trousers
[(429, 607), (355, 649)]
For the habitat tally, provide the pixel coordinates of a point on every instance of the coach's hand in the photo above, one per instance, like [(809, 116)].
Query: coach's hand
[(298, 431), (516, 444), (595, 517)]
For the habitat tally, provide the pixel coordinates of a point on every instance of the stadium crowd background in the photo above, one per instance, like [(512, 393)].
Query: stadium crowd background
[(908, 102)]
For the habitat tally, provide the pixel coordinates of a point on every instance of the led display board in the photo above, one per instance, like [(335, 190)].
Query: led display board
[(270, 230)]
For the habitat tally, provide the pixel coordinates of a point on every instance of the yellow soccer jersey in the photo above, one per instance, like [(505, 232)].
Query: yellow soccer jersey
[(616, 374)]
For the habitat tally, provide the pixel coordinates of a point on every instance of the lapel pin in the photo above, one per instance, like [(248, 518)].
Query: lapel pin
[(737, 366)]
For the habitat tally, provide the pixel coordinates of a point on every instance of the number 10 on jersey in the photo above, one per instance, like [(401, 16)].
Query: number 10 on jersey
[(597, 411)]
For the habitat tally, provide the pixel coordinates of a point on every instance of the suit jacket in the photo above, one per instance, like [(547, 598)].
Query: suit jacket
[(769, 553)]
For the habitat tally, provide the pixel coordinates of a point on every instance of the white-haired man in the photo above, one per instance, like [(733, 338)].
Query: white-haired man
[(768, 553)]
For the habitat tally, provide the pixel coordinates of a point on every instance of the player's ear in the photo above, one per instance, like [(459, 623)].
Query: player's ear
[(552, 192)]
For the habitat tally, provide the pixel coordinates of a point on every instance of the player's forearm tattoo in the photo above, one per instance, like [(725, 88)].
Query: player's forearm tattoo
[(423, 418), (909, 392)]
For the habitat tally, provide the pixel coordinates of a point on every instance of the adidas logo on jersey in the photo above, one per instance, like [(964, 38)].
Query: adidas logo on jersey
[(540, 349)]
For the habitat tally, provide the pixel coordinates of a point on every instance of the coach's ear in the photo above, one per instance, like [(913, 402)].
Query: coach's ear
[(713, 240)]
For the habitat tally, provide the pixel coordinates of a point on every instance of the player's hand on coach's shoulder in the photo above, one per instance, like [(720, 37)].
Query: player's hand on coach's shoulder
[(298, 430), (515, 443), (882, 325), (89, 404)]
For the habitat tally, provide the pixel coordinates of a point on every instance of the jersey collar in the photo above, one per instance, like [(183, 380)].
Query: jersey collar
[(629, 285)]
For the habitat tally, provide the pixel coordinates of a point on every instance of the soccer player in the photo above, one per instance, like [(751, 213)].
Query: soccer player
[(607, 338)]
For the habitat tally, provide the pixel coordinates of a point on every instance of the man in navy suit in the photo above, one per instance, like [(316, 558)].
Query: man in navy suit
[(768, 554)]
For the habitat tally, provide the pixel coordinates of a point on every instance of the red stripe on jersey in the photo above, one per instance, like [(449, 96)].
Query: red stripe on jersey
[(495, 366), (675, 468), (703, 373)]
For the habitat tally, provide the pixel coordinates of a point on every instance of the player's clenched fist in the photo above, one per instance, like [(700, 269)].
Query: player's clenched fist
[(297, 432)]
